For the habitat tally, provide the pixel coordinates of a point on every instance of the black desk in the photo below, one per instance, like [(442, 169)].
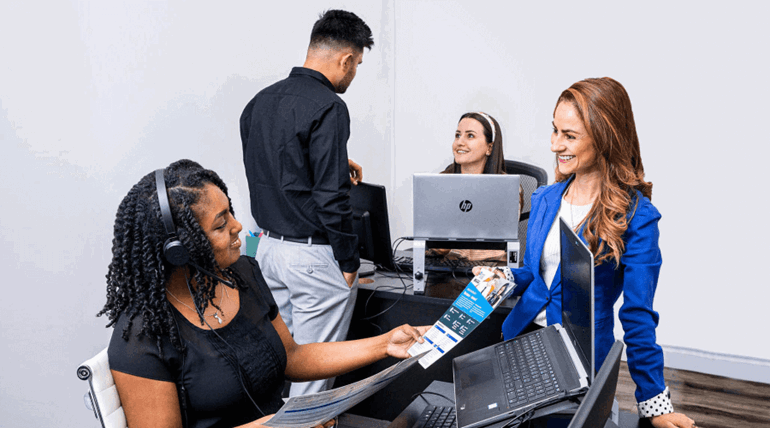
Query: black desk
[(415, 310), (409, 415)]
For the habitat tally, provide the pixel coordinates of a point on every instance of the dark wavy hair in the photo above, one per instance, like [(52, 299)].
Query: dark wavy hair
[(138, 273), (605, 109), (341, 28), (495, 162)]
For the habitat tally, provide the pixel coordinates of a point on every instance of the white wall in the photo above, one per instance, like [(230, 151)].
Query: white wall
[(95, 95), (697, 78)]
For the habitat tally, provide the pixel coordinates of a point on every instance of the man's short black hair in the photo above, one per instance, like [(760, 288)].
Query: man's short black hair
[(341, 28)]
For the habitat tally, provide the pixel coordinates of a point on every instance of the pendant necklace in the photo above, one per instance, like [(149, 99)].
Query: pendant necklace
[(215, 314)]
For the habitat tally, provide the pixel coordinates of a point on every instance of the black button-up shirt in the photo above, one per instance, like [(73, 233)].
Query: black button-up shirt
[(294, 136)]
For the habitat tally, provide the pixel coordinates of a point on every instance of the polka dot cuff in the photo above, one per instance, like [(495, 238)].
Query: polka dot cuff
[(657, 405)]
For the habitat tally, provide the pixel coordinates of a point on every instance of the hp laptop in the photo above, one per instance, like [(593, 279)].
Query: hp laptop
[(509, 379), (474, 207)]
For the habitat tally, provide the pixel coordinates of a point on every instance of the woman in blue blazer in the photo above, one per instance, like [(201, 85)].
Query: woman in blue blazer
[(600, 190)]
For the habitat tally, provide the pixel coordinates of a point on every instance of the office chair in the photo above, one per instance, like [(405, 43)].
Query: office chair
[(532, 177), (596, 407), (102, 396)]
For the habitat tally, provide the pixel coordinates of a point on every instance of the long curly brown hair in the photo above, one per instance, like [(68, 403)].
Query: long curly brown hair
[(605, 109)]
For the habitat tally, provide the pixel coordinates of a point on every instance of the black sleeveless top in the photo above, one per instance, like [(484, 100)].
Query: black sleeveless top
[(209, 367)]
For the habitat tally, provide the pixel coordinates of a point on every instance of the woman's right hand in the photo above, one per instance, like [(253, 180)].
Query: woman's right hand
[(477, 269)]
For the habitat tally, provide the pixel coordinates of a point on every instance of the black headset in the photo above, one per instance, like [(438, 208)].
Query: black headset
[(175, 253), (173, 250)]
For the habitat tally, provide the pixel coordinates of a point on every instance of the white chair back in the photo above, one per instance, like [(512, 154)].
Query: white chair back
[(102, 396)]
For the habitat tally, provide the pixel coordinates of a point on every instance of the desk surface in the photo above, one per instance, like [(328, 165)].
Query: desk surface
[(384, 305), (442, 289)]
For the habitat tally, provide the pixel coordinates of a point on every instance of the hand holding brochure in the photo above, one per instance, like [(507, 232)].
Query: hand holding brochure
[(315, 409), (482, 295)]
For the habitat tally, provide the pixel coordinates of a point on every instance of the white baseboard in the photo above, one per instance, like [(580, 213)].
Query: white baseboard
[(732, 366)]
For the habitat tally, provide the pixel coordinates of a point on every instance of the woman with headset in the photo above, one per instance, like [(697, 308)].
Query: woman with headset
[(601, 193), (198, 340)]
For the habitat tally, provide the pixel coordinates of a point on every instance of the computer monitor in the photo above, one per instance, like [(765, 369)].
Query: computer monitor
[(371, 224), (596, 407)]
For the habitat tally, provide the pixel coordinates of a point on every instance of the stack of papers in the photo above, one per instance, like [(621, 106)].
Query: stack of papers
[(315, 409)]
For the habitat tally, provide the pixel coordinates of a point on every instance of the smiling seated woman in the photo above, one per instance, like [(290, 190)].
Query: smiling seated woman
[(200, 343), (477, 149)]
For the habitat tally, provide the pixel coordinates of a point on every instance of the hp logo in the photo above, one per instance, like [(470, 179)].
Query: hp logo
[(466, 206)]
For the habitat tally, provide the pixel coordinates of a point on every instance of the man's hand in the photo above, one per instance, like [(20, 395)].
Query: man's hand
[(402, 338), (356, 173), (349, 277)]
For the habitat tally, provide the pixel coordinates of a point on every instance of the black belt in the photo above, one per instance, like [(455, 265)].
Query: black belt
[(312, 240)]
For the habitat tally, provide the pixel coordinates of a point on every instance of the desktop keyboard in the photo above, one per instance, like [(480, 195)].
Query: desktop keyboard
[(436, 417), (528, 373), (440, 264)]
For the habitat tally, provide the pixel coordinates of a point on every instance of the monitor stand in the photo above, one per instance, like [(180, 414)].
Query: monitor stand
[(419, 274)]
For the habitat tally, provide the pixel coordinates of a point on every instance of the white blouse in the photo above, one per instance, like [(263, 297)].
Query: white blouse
[(573, 215)]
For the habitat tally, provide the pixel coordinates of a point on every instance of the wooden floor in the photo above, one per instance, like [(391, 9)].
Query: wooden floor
[(711, 401)]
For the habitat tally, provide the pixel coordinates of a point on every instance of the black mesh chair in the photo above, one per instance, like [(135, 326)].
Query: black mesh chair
[(532, 177)]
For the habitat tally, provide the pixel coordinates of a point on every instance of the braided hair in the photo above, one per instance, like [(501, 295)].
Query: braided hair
[(138, 273)]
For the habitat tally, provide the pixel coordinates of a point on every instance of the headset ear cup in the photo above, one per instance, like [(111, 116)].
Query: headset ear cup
[(175, 253)]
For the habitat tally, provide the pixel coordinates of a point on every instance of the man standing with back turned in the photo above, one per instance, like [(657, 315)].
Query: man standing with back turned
[(294, 136)]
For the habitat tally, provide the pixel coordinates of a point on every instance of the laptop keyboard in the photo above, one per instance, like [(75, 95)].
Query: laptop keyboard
[(439, 264), (528, 374), (436, 417)]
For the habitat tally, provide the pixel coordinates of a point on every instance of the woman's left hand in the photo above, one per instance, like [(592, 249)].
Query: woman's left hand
[(329, 424), (672, 420), (402, 338)]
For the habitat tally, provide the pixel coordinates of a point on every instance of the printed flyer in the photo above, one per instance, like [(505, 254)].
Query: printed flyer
[(482, 295)]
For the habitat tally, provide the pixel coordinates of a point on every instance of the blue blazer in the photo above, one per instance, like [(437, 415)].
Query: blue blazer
[(636, 278)]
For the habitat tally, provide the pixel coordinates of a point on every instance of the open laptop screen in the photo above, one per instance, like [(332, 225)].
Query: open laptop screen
[(466, 206), (577, 279)]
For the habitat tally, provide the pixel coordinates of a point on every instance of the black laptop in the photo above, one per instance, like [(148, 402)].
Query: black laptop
[(530, 371), (596, 408)]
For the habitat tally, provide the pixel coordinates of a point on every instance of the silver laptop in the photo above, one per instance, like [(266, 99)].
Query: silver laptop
[(510, 379), (479, 207)]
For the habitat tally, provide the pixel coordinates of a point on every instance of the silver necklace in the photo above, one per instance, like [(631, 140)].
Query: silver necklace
[(215, 314), (572, 206)]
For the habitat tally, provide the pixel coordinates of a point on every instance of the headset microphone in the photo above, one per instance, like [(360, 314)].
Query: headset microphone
[(205, 272), (173, 250), (176, 254)]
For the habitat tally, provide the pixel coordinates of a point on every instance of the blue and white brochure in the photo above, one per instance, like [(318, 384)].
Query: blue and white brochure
[(482, 295)]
